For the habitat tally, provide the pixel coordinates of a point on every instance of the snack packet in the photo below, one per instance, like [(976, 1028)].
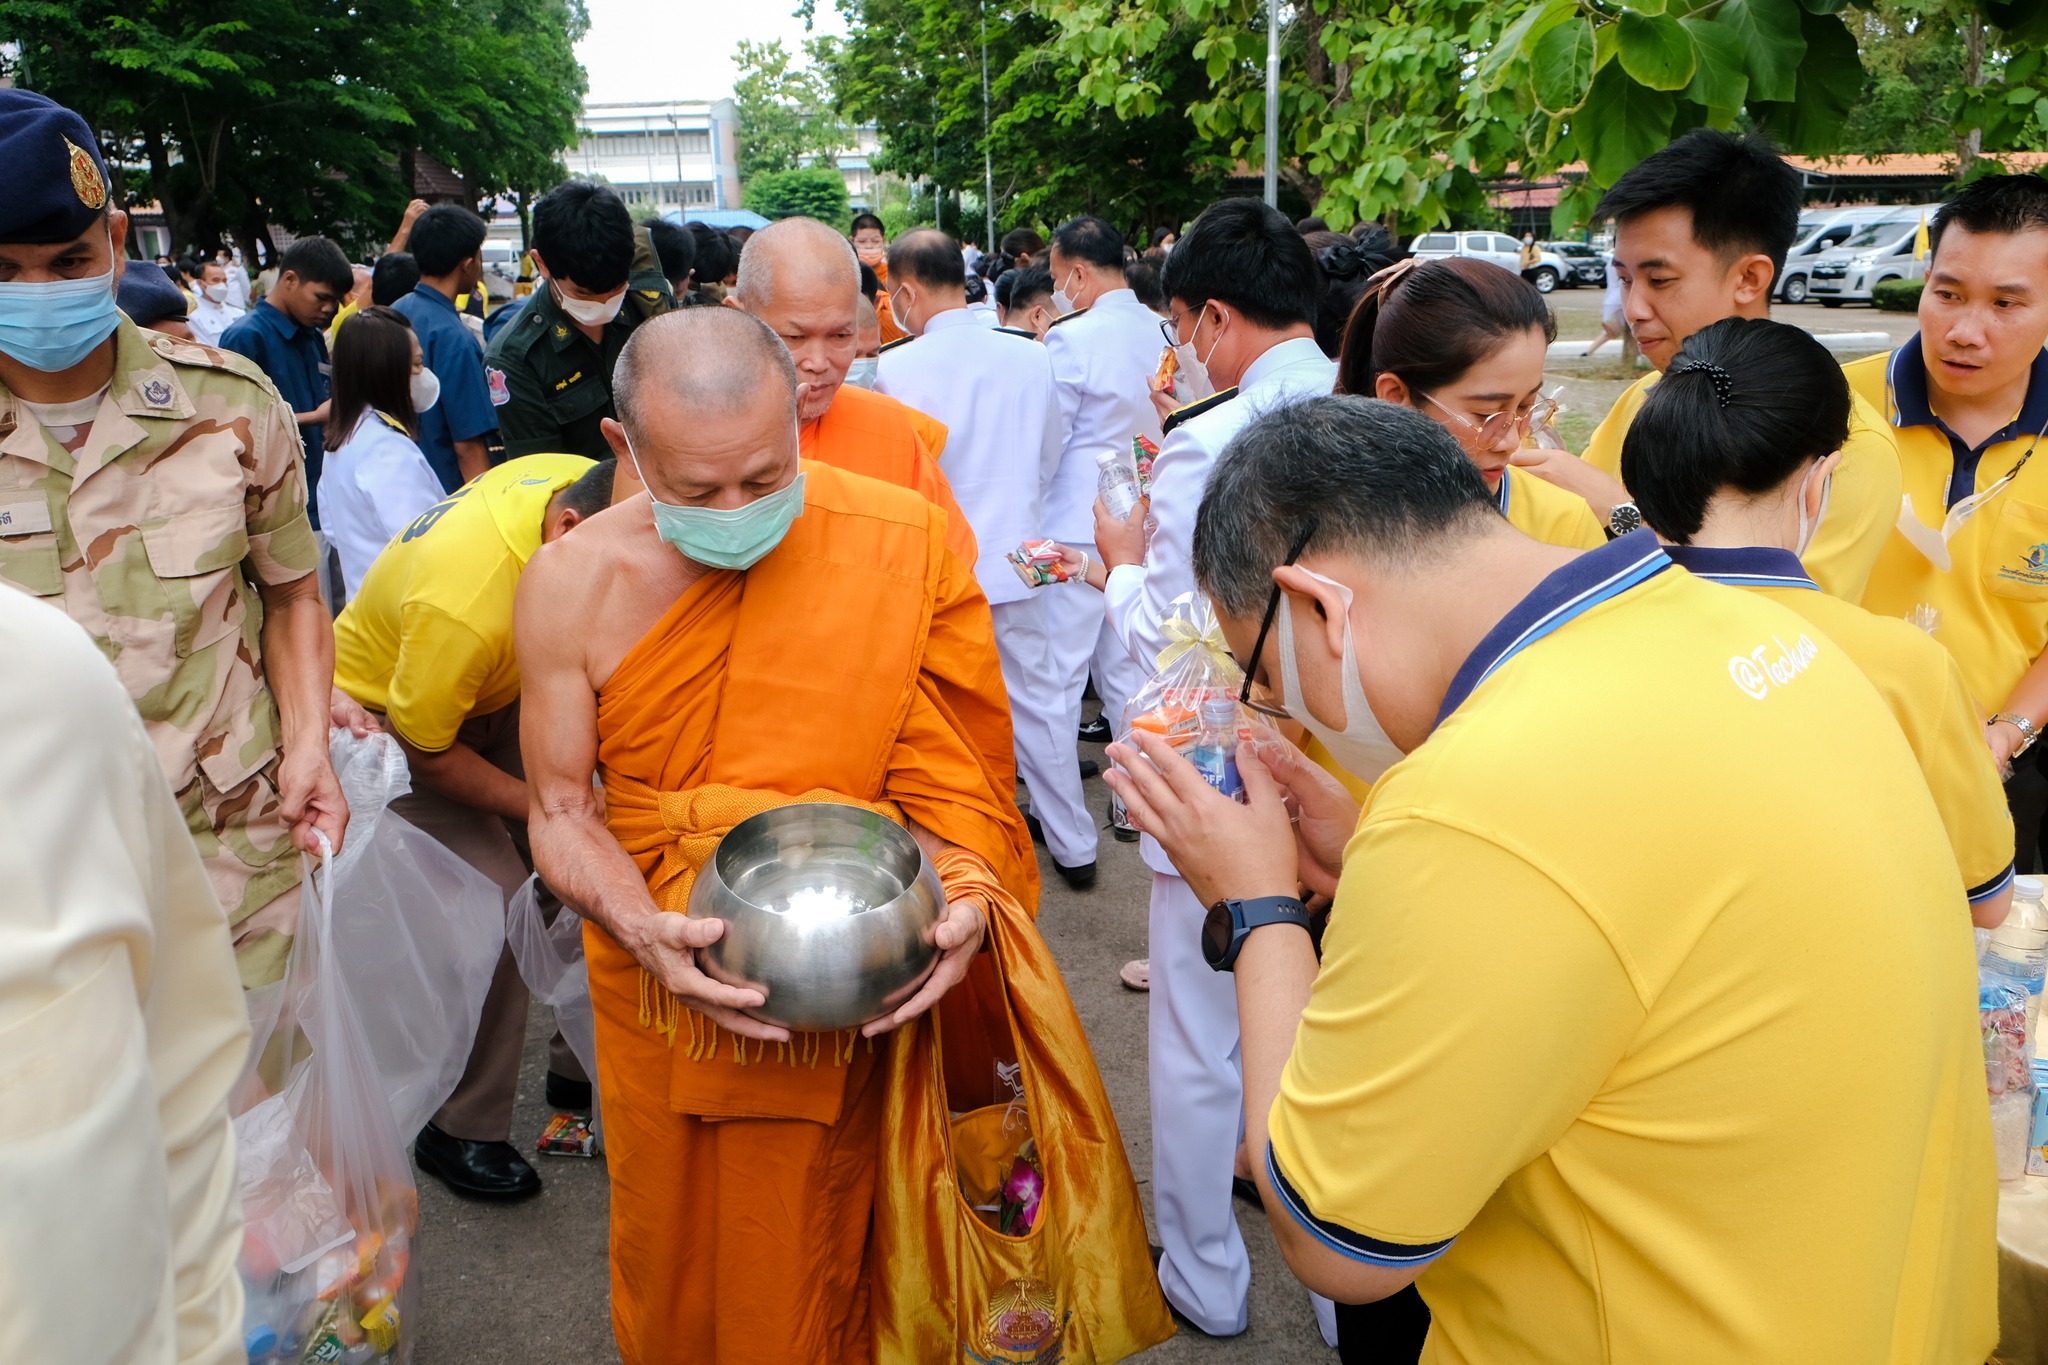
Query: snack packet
[(1040, 563), (567, 1135), (1143, 452)]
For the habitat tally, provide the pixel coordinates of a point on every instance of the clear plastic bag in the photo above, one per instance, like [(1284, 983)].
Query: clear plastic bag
[(415, 919), (550, 958), (328, 1202), (1191, 702)]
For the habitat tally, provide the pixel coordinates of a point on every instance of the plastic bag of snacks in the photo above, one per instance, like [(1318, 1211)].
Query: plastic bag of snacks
[(2008, 1069), (1143, 453), (328, 1202), (418, 921), (1041, 563), (1192, 702)]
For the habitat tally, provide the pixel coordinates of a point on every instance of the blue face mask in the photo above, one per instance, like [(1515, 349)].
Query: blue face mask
[(52, 325), (738, 538)]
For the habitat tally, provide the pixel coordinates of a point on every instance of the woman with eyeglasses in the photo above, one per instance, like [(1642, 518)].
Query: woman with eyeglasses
[(1463, 341), (1747, 428)]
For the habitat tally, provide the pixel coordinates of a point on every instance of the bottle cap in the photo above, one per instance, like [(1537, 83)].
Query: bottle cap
[(260, 1342), (2030, 887), (1219, 710)]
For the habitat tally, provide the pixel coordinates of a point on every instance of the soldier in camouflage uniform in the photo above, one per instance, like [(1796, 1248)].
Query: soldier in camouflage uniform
[(152, 489)]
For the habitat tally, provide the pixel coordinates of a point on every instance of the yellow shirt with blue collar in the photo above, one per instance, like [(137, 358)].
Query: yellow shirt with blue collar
[(1575, 1043), (1921, 683), (1993, 598), (1543, 511)]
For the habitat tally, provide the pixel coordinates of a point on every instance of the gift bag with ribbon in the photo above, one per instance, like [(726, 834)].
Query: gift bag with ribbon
[(1072, 1281), (1191, 701)]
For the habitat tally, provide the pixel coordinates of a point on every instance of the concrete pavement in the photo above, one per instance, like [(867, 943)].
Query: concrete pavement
[(527, 1284)]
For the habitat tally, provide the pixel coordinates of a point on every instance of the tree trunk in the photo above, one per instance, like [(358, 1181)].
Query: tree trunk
[(178, 222), (1970, 144), (409, 172)]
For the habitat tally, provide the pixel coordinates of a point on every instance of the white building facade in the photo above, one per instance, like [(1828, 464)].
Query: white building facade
[(662, 156)]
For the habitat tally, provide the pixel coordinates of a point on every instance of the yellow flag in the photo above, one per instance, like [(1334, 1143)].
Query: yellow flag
[(1920, 239)]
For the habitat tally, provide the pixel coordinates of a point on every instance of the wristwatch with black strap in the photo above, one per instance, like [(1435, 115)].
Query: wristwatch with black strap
[(1623, 518), (1228, 922)]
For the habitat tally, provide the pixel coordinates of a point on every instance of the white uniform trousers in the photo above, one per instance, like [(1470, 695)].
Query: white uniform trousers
[(1197, 1081), (1048, 756), (1082, 643)]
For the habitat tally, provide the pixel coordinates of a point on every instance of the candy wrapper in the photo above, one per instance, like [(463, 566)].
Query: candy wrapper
[(1191, 702), (2002, 1015), (1040, 563), (1143, 452), (567, 1135)]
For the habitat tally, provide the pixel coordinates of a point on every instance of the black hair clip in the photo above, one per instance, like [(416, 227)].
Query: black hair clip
[(1724, 383)]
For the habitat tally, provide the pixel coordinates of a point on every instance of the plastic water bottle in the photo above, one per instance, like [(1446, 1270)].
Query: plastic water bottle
[(2019, 947), (1215, 751), (1116, 483)]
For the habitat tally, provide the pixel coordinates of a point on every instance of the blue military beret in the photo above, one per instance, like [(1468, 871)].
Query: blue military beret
[(56, 182), (147, 295)]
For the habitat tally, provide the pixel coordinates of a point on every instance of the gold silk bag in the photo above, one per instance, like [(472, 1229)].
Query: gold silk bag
[(1079, 1286)]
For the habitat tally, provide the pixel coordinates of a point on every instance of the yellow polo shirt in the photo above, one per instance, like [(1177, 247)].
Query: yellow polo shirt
[(1919, 681), (1993, 598), (1638, 1020), (1543, 511), (428, 639), (1862, 504)]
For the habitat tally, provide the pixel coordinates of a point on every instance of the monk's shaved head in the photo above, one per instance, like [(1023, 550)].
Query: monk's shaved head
[(801, 278), (868, 326), (707, 361), (797, 253)]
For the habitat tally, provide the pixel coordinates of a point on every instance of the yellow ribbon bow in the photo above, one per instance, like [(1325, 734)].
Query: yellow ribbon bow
[(1184, 636)]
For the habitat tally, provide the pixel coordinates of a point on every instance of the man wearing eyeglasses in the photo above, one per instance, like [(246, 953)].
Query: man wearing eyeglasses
[(1242, 290), (1582, 1091)]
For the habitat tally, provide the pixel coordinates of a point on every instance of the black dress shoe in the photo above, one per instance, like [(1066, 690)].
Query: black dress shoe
[(1090, 768), (1031, 823), (564, 1093), (1096, 731), (479, 1170), (1080, 878)]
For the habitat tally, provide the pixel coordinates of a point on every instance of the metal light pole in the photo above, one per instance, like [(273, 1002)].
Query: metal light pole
[(1273, 102), (988, 165)]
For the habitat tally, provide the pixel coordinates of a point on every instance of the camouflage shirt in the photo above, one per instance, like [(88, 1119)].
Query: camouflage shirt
[(152, 527)]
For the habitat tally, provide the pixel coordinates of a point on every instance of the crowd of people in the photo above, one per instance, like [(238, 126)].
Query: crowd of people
[(1584, 798)]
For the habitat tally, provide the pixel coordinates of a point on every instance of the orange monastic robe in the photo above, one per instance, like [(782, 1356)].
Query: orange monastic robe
[(857, 661), (873, 434)]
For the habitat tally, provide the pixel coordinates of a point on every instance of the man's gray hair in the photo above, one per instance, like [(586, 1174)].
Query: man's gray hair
[(712, 359), (775, 245), (1374, 480)]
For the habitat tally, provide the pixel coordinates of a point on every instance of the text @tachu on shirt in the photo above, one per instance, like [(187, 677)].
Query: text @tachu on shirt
[(1762, 669)]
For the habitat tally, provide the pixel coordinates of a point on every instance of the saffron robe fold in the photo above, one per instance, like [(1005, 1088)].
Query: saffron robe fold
[(856, 661), (871, 433)]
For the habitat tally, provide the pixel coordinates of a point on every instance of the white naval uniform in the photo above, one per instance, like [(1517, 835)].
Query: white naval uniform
[(371, 487), (208, 319), (994, 392), (1196, 1075), (1102, 360), (122, 1030)]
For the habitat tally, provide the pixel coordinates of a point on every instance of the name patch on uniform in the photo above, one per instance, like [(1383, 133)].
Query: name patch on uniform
[(501, 394), (25, 517), (1758, 671), (2032, 570)]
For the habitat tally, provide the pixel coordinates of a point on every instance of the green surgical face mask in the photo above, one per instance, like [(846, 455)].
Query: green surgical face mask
[(738, 538)]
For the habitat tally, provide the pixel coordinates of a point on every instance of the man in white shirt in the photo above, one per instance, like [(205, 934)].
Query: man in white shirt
[(122, 1030), (211, 316), (1241, 289), (995, 393), (1104, 351)]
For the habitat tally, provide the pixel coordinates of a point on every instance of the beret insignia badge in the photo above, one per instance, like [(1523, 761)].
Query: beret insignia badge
[(86, 181)]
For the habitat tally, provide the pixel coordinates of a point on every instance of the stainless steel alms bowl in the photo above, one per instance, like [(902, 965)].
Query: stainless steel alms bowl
[(827, 908)]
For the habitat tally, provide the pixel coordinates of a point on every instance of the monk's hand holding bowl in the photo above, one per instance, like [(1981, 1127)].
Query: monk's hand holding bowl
[(958, 938), (666, 945)]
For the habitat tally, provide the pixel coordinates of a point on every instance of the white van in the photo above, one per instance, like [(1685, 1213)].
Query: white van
[(1497, 247), (501, 269), (1879, 250), (1819, 231)]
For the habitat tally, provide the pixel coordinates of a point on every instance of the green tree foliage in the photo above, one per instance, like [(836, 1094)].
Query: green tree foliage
[(787, 113), (274, 111), (807, 192), (913, 68), (1395, 110)]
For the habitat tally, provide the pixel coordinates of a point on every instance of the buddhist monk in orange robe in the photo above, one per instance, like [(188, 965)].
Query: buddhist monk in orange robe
[(800, 277), (851, 659)]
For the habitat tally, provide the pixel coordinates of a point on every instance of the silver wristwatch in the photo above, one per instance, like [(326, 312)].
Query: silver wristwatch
[(1623, 518), (2029, 732)]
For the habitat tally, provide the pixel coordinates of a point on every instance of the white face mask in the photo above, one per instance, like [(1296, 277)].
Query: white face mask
[(590, 312), (1062, 301), (217, 292), (1192, 382), (426, 390), (1361, 747), (1808, 529), (861, 374)]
